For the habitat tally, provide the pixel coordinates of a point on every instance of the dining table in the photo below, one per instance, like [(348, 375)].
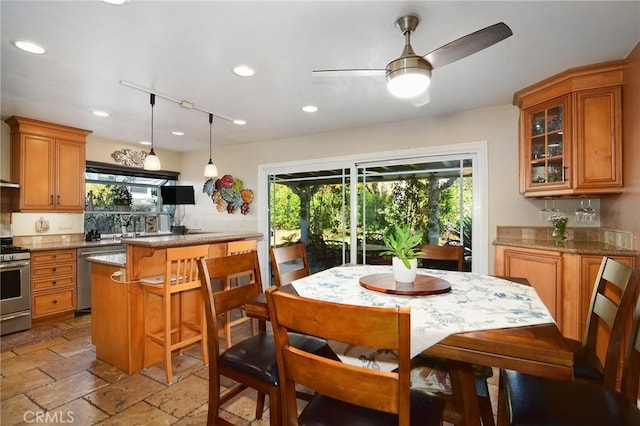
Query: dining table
[(483, 320)]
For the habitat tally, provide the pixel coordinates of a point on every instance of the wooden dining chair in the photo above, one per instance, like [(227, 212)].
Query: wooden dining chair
[(173, 289), (252, 361), (346, 394), (236, 317), (435, 257), (614, 289), (533, 400), (289, 263)]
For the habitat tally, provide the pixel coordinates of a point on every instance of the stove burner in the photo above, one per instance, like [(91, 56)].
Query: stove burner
[(12, 249), (9, 252)]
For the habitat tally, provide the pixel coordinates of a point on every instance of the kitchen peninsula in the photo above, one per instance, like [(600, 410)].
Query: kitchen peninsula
[(116, 297)]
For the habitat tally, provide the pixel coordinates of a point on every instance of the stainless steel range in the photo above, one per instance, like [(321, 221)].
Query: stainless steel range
[(15, 287)]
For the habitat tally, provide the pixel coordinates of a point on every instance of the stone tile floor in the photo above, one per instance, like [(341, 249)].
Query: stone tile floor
[(60, 381)]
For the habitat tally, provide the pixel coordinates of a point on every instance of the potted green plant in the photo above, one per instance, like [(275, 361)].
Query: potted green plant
[(401, 243), (120, 197)]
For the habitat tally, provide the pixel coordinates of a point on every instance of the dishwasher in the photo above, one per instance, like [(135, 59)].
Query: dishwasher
[(84, 272)]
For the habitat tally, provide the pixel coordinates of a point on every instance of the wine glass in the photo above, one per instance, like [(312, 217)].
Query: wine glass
[(580, 212), (590, 213), (544, 213)]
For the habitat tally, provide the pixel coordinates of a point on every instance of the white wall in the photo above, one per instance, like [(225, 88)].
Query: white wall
[(100, 149)]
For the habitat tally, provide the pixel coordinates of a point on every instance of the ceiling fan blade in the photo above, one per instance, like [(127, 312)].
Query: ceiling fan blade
[(468, 45), (349, 72)]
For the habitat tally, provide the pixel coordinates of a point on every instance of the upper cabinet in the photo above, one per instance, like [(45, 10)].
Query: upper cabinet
[(48, 161), (571, 133)]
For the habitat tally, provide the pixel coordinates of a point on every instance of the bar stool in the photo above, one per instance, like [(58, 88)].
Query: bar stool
[(183, 324)]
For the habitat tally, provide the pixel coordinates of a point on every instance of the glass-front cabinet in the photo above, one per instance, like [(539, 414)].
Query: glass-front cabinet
[(570, 133), (545, 133)]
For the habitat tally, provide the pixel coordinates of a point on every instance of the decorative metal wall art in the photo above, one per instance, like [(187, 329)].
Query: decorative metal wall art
[(129, 157), (228, 194)]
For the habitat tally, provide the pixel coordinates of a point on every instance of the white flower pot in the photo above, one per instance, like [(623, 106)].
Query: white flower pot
[(401, 273)]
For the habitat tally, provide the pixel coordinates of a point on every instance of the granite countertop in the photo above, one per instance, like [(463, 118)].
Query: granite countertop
[(118, 259), (597, 248), (190, 239)]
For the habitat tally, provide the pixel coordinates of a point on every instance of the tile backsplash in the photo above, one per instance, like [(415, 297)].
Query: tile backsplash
[(620, 239)]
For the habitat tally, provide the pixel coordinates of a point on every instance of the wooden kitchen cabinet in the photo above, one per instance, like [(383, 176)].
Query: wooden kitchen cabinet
[(53, 284), (48, 161), (542, 268), (570, 133), (564, 281)]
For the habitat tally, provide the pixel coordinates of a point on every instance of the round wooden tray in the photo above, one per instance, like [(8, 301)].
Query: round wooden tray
[(423, 285)]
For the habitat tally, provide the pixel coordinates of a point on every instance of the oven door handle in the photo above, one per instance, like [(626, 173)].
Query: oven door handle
[(14, 316), (13, 265)]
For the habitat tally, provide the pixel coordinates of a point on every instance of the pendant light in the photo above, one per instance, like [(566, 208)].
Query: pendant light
[(151, 161), (210, 170)]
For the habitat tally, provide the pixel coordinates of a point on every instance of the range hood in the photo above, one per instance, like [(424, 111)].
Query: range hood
[(7, 184)]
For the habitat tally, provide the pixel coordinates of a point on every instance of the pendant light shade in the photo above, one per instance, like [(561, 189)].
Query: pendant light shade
[(210, 170), (151, 161)]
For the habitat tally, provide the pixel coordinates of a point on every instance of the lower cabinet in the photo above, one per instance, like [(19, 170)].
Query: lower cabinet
[(53, 284), (564, 281), (543, 270)]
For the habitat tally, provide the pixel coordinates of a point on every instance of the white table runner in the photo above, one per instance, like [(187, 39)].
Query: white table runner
[(475, 302)]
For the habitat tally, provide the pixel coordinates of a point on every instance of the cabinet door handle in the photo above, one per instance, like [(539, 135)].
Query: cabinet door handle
[(54, 282), (51, 202), (564, 173), (55, 301), (53, 269), (58, 200)]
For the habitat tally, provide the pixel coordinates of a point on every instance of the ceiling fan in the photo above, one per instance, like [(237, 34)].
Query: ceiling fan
[(409, 75)]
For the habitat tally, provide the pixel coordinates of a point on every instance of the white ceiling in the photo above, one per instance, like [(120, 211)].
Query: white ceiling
[(187, 49)]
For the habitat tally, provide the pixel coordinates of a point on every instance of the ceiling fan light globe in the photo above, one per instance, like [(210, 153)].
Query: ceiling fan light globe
[(408, 76), (210, 170), (408, 85), (151, 162)]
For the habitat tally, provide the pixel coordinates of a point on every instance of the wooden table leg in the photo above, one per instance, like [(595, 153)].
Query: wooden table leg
[(463, 387)]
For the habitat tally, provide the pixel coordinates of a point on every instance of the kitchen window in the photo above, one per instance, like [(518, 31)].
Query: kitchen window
[(126, 200)]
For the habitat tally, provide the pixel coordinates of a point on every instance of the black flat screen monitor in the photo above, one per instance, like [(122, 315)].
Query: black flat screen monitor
[(178, 194)]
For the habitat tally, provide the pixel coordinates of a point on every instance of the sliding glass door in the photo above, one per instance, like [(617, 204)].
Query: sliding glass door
[(342, 213), (312, 208), (430, 194)]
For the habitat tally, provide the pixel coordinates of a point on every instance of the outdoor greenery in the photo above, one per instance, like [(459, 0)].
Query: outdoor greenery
[(428, 205), (120, 195), (109, 195)]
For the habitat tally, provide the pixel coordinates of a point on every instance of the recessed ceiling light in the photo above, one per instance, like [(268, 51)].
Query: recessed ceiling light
[(243, 71), (29, 46), (117, 2), (177, 133), (310, 108), (99, 113), (145, 143), (240, 122)]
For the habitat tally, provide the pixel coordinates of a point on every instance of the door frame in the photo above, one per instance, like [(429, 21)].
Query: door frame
[(477, 151)]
